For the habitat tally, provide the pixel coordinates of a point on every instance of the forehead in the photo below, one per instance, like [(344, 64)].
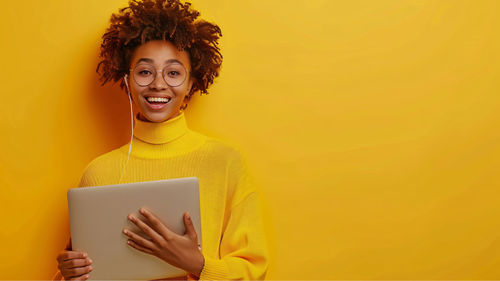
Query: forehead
[(160, 52)]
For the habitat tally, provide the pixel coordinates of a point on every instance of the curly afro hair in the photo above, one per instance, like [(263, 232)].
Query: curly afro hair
[(168, 20)]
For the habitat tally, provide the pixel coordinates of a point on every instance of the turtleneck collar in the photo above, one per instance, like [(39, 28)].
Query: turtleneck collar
[(163, 132), (163, 140)]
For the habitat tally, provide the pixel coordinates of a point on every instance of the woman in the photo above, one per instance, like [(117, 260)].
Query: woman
[(162, 56)]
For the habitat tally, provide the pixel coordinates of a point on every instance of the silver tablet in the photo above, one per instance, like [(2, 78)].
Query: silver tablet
[(98, 215)]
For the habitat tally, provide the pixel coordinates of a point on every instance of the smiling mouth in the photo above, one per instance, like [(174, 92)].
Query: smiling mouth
[(158, 100)]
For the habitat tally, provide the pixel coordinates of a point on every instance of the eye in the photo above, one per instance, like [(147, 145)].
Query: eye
[(173, 73), (144, 72)]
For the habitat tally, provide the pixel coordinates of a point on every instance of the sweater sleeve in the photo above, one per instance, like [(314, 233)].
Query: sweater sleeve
[(243, 247)]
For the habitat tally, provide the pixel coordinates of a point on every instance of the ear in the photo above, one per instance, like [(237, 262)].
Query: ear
[(191, 82), (125, 79)]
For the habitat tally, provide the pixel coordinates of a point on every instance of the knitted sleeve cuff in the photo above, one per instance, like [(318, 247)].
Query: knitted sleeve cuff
[(214, 269)]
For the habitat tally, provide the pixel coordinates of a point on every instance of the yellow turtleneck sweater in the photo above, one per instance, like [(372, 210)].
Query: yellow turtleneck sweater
[(234, 245)]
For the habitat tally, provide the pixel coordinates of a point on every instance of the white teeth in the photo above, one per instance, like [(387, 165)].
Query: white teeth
[(153, 99)]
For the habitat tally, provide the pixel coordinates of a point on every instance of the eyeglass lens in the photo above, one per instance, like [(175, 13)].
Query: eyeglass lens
[(174, 74)]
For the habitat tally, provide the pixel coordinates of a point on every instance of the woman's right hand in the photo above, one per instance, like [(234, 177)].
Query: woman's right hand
[(74, 265)]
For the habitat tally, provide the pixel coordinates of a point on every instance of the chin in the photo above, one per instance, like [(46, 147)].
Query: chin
[(158, 117)]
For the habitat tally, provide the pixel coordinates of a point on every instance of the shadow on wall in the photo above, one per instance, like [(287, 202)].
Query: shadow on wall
[(97, 120), (109, 107)]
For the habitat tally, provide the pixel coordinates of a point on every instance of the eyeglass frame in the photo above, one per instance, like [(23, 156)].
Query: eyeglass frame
[(156, 70)]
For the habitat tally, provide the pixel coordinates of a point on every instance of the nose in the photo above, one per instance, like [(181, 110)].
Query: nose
[(159, 83)]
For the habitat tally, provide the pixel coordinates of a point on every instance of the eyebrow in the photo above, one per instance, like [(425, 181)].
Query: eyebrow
[(151, 61)]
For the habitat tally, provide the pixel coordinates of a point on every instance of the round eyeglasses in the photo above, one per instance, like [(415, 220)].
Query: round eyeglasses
[(174, 74)]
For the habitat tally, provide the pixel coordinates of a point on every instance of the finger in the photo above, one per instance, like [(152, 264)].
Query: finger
[(139, 247), (67, 255), (190, 231), (140, 240), (75, 263), (151, 232), (81, 277), (76, 272), (71, 275), (158, 226)]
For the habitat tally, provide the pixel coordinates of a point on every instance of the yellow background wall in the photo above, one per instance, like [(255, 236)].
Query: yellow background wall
[(371, 126)]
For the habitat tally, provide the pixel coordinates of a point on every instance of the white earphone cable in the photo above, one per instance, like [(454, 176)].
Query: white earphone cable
[(131, 125)]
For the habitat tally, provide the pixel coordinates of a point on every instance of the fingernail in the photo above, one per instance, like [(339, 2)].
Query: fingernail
[(90, 260), (84, 255), (90, 268), (142, 211), (188, 216)]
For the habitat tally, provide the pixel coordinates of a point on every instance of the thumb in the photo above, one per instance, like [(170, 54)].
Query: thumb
[(68, 246), (190, 231)]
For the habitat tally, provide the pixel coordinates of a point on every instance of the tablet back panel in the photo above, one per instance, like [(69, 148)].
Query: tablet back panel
[(98, 215)]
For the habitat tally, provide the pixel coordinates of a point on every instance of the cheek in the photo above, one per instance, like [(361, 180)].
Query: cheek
[(135, 94), (181, 93)]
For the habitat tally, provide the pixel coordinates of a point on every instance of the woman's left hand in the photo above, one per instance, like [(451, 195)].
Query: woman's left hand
[(178, 250)]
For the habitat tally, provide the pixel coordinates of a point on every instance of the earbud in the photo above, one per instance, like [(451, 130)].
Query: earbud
[(126, 83)]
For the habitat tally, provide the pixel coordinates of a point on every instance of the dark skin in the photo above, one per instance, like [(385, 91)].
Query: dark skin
[(181, 251), (159, 52), (74, 265), (178, 250)]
